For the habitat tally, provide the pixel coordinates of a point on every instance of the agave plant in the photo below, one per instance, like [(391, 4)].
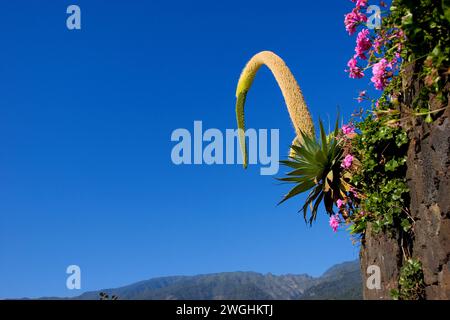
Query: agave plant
[(316, 165), (293, 97)]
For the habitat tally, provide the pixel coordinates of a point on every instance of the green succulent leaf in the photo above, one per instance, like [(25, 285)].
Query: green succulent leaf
[(316, 164), (300, 188)]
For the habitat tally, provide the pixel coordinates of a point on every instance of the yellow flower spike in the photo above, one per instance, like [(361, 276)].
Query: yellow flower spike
[(293, 97)]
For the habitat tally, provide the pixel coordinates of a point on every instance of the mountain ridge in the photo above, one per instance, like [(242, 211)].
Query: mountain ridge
[(341, 281)]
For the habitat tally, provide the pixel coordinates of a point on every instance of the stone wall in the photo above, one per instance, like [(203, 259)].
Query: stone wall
[(428, 174), (382, 250), (429, 182)]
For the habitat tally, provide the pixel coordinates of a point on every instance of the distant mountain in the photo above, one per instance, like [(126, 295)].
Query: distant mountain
[(342, 281)]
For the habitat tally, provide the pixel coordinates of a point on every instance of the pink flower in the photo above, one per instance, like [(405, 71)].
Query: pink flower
[(377, 43), (360, 3), (339, 203), (380, 78), (363, 43), (347, 162), (361, 96), (355, 71), (391, 64), (352, 20), (348, 129), (354, 193), (334, 222)]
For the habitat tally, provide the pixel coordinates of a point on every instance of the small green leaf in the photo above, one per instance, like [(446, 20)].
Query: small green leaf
[(406, 225)]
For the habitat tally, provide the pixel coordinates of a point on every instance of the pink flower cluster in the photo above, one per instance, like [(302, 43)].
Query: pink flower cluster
[(344, 204), (383, 70), (353, 19), (348, 129), (379, 78), (347, 162), (355, 72), (363, 44), (334, 222)]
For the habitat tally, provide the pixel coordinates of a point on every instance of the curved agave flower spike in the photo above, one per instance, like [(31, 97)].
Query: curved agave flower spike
[(298, 111)]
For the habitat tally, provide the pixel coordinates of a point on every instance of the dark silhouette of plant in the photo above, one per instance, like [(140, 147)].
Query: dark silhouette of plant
[(105, 296)]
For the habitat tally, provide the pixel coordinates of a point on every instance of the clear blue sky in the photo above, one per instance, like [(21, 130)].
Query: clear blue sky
[(86, 116)]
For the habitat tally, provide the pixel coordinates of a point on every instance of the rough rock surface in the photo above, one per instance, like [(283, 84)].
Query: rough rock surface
[(428, 174), (429, 181), (382, 250)]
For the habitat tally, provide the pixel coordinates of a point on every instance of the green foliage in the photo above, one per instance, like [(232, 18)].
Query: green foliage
[(411, 283), (381, 146), (316, 168), (426, 24), (446, 9), (381, 150)]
